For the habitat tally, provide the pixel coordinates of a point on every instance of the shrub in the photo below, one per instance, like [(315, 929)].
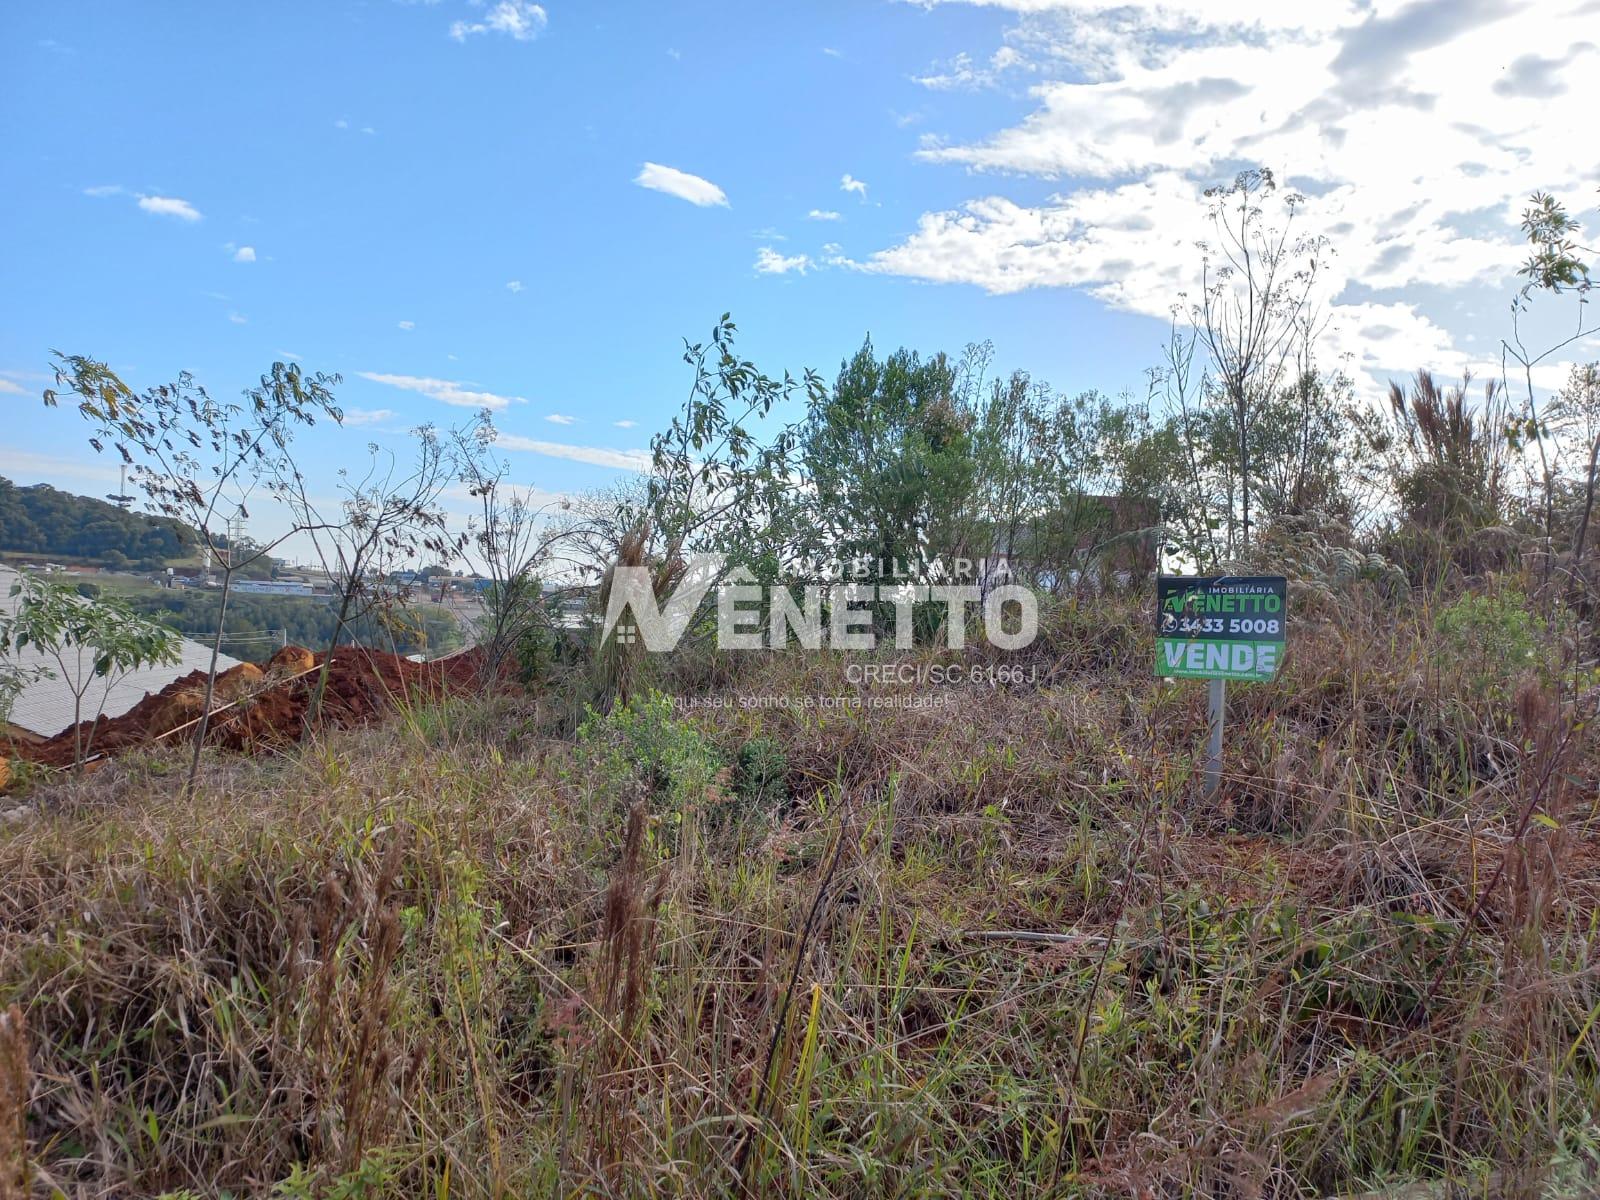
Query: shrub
[(535, 650), (1495, 638), (643, 741), (760, 775)]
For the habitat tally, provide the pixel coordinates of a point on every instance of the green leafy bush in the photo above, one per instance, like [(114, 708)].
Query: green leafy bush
[(1494, 637), (760, 774), (536, 652), (642, 740)]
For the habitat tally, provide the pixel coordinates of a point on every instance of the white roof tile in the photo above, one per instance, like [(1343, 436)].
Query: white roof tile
[(45, 708)]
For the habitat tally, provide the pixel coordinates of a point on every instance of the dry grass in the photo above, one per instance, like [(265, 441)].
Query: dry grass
[(464, 955)]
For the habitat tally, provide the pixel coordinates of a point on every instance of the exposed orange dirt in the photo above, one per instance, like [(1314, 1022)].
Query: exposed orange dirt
[(253, 708)]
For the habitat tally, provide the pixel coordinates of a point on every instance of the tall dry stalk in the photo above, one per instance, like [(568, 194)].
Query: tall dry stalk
[(619, 663), (13, 1105)]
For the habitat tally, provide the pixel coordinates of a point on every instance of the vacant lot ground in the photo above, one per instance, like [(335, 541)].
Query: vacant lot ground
[(993, 945)]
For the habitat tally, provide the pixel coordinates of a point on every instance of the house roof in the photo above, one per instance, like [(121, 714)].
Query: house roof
[(45, 707)]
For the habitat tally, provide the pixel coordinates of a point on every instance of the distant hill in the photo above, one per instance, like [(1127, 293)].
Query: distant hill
[(50, 523)]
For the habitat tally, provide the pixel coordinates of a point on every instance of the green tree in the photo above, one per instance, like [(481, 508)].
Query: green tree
[(1066, 485), (386, 517), (1257, 322), (1556, 266), (54, 524), (891, 455), (200, 460), (304, 621), (91, 642), (1577, 411), (508, 539), (715, 484)]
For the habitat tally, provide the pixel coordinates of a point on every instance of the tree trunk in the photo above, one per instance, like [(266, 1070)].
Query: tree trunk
[(77, 720), (211, 687), (1588, 508), (314, 710), (1244, 473)]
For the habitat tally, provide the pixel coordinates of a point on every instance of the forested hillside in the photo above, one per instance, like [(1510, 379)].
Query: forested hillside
[(42, 520)]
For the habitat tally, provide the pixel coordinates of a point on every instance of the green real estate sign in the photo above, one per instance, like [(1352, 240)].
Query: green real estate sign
[(1220, 626)]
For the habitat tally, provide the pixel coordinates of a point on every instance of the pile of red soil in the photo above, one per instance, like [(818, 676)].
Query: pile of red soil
[(253, 709)]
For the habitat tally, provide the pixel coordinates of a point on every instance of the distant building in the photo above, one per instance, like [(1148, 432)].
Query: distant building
[(44, 708)]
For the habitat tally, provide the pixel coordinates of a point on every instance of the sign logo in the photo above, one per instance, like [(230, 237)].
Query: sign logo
[(1220, 626), (751, 616), (658, 626)]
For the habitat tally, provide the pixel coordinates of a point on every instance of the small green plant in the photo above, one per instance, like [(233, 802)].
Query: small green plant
[(642, 740), (92, 644), (1494, 637), (536, 652), (760, 775), (373, 1176)]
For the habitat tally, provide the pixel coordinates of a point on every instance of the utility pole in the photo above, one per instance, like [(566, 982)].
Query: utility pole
[(122, 499), (235, 536)]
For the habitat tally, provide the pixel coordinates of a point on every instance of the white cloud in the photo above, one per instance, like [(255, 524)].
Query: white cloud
[(238, 318), (561, 419), (104, 189), (169, 206), (368, 416), (963, 72), (23, 465), (245, 254), (596, 456), (516, 19), (673, 182), (1173, 16), (823, 214), (408, 326), (1415, 131), (624, 424), (849, 183), (7, 388), (770, 262), (514, 286), (831, 52), (534, 497), (444, 390)]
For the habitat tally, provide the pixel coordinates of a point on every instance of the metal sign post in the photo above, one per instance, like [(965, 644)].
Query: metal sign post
[(1217, 710), (1217, 628)]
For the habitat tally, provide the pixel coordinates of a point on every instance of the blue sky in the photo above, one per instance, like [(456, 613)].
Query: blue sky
[(442, 199)]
